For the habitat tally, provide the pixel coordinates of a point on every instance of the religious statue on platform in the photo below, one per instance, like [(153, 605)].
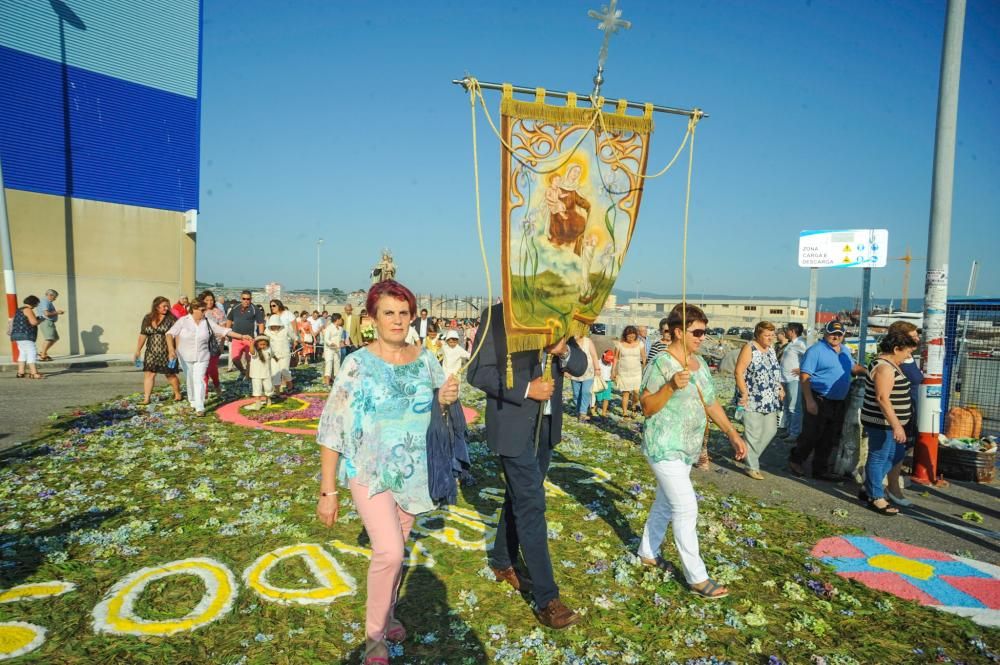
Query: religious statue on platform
[(384, 269)]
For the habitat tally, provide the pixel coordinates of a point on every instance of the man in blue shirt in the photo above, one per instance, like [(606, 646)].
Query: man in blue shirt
[(825, 379)]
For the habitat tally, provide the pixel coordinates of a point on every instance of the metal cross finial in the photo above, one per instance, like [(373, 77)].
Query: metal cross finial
[(610, 22)]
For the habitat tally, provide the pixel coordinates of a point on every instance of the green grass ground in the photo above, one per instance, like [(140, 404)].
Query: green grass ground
[(120, 487)]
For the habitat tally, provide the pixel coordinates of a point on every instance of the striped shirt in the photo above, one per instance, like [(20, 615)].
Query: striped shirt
[(899, 396), (658, 347)]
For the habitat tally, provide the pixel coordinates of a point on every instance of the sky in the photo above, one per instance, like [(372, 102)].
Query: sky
[(338, 120)]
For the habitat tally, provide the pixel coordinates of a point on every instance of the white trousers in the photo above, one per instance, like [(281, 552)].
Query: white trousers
[(195, 373), (282, 373), (331, 362), (675, 502), (27, 351)]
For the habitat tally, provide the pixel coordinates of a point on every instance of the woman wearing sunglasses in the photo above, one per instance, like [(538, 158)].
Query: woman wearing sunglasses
[(676, 395)]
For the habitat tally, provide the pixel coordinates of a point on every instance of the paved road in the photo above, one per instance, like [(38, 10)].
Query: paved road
[(934, 521), (26, 404)]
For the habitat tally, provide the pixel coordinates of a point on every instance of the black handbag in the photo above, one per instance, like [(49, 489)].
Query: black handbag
[(214, 345)]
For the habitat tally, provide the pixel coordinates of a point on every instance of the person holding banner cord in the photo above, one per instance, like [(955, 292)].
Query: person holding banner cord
[(677, 394)]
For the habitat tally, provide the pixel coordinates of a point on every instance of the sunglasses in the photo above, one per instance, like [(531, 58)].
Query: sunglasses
[(698, 334), (244, 299)]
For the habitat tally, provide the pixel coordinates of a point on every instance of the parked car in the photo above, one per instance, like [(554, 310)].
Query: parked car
[(746, 333), (716, 332), (598, 329), (735, 331)]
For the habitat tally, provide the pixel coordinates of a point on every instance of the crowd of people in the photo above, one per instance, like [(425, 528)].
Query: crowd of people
[(263, 345), (373, 434), (788, 390), (390, 368)]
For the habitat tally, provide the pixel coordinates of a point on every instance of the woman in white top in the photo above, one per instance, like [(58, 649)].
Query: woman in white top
[(584, 384), (332, 337), (187, 340)]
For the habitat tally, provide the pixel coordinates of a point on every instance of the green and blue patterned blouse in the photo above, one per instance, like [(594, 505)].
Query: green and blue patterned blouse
[(676, 431), (376, 417)]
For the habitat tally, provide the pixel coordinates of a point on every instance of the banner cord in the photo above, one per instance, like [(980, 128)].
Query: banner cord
[(483, 329), (692, 124)]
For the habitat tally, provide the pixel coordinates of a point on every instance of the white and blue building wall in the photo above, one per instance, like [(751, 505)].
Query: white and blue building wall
[(99, 143)]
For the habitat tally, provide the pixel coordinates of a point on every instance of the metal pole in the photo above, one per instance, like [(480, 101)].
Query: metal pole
[(558, 94), (938, 246), (866, 296), (319, 243), (9, 285), (973, 275), (811, 314)]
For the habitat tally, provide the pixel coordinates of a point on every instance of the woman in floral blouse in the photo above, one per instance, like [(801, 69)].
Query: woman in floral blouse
[(759, 392), (676, 394), (375, 426)]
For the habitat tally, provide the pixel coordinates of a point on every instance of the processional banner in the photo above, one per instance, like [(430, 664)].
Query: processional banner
[(571, 187)]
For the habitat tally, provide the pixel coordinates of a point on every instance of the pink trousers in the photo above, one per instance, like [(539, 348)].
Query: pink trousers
[(212, 372), (388, 527)]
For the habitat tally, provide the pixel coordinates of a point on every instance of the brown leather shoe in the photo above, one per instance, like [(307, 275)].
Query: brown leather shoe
[(508, 575), (556, 615)]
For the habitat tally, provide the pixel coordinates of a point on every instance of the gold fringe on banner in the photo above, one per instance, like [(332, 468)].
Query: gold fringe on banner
[(617, 121), (528, 342)]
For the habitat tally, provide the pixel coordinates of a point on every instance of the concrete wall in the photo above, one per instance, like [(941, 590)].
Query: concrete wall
[(121, 256)]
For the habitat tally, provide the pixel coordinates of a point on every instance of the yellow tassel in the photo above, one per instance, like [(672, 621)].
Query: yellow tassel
[(510, 373)]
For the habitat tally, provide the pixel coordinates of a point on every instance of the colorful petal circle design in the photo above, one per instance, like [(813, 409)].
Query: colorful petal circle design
[(300, 414), (951, 583)]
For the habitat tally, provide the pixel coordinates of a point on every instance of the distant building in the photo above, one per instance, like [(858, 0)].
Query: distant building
[(272, 291), (725, 313)]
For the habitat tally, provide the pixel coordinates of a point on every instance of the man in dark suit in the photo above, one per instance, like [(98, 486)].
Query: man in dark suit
[(523, 424), (422, 325)]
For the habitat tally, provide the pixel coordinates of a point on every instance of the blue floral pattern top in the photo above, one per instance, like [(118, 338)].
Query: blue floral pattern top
[(376, 417), (763, 379), (676, 431)]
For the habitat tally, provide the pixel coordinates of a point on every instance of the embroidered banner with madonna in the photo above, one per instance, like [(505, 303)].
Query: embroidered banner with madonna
[(571, 188)]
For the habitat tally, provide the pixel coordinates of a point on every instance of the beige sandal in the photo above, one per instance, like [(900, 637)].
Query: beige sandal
[(376, 652), (395, 631)]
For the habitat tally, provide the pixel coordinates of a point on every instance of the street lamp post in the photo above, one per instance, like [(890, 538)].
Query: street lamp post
[(8, 263), (319, 243)]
